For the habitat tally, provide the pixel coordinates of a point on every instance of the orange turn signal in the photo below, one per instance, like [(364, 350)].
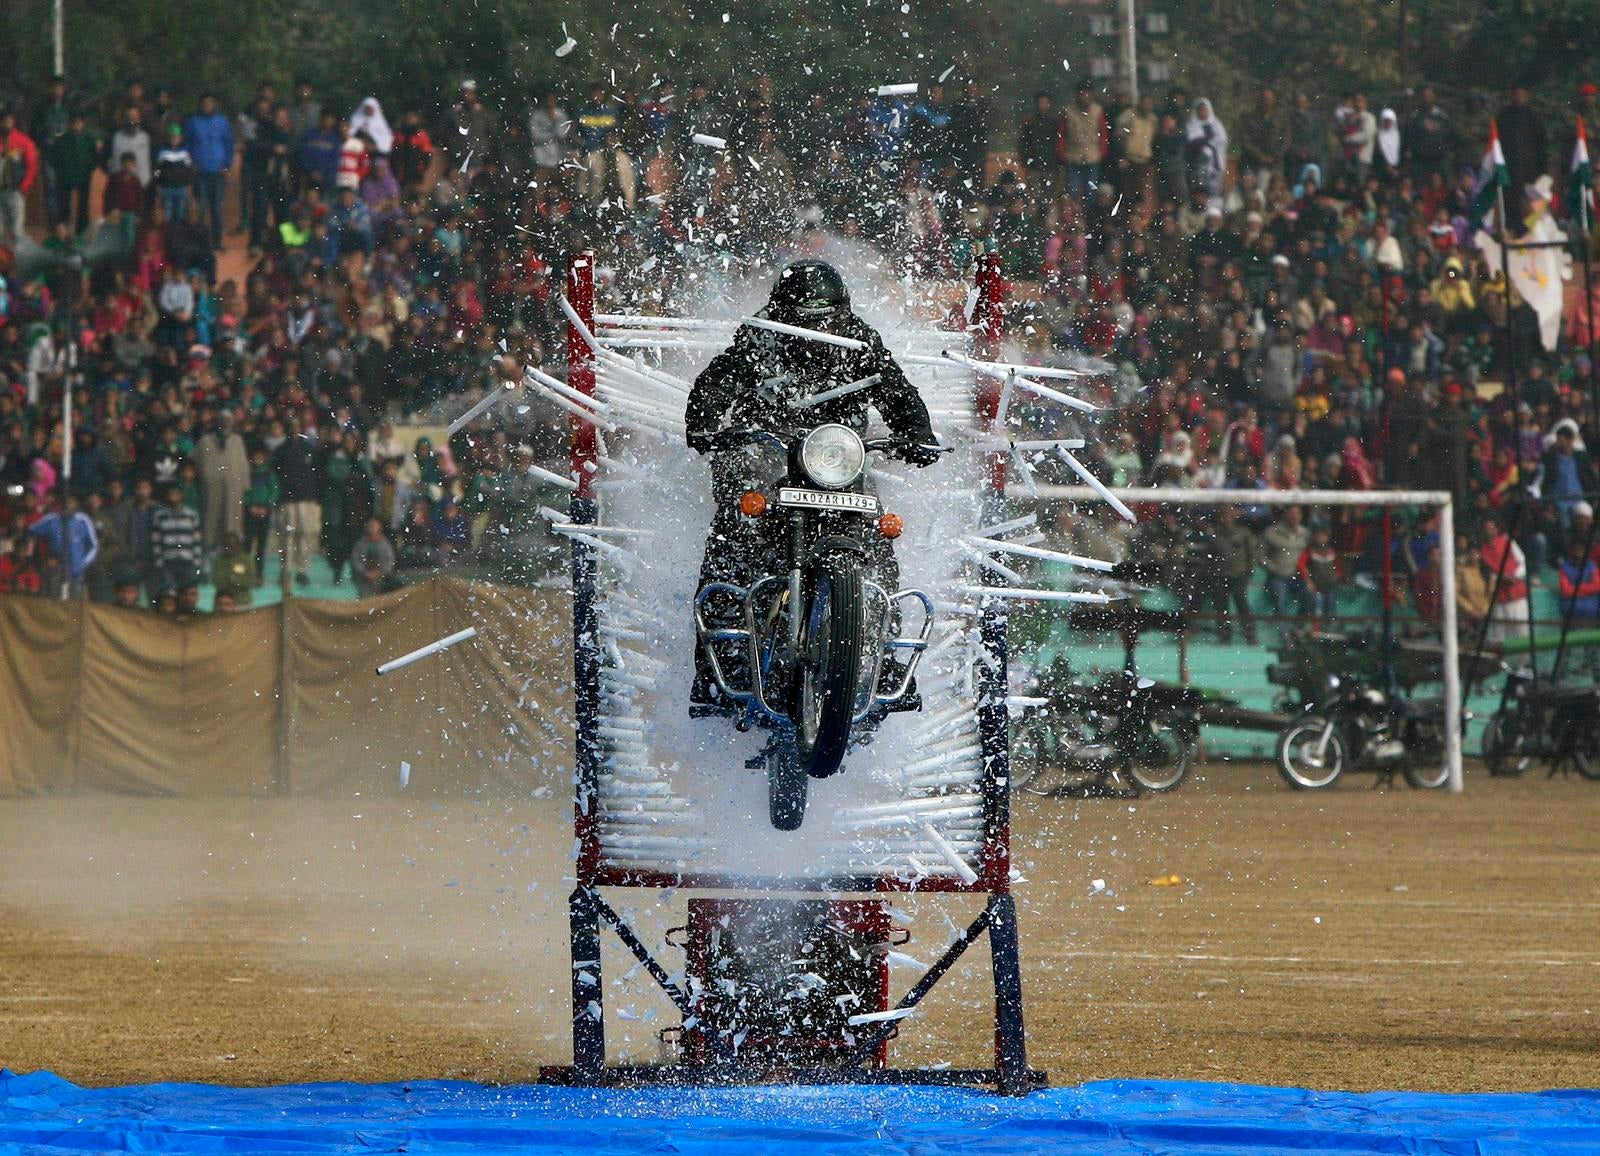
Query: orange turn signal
[(752, 503), (891, 525)]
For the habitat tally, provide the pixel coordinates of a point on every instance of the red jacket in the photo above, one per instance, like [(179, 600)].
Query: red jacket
[(18, 147), (1502, 555)]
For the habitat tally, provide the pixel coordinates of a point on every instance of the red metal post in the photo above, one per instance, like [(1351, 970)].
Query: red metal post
[(580, 365), (986, 322), (994, 873), (585, 612)]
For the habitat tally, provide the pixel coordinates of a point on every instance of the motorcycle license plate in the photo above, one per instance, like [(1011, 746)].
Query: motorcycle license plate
[(825, 500)]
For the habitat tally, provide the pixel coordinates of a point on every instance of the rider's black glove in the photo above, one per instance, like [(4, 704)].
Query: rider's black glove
[(923, 450)]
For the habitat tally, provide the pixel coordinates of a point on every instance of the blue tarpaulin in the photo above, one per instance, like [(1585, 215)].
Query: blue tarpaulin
[(46, 1114)]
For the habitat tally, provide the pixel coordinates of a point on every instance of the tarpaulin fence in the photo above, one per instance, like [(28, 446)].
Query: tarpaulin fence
[(284, 699)]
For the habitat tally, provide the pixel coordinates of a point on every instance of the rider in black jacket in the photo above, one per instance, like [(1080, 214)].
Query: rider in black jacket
[(753, 385)]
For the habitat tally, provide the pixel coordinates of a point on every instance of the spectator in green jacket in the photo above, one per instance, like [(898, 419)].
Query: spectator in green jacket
[(260, 498), (73, 156)]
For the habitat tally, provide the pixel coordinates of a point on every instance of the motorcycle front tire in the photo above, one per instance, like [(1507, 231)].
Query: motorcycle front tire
[(1298, 768), (1502, 747), (830, 669), (1163, 759), (787, 787)]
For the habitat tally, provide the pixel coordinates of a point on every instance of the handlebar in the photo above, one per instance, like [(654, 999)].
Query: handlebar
[(733, 439)]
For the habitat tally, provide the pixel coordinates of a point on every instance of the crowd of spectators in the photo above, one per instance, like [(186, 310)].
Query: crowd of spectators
[(1289, 293)]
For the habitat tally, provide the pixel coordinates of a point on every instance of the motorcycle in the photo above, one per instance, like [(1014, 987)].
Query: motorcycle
[(1354, 726), (818, 653), (1559, 724), (1116, 738)]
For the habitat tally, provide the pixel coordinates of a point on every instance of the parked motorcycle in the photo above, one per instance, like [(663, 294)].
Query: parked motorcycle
[(818, 651), (1560, 724), (1355, 726), (1118, 736)]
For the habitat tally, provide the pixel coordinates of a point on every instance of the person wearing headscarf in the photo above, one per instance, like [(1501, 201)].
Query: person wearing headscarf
[(368, 117), (1206, 152), (1386, 158)]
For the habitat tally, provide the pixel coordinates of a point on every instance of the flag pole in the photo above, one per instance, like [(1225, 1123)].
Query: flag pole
[(1514, 522), (1584, 225), (1502, 222)]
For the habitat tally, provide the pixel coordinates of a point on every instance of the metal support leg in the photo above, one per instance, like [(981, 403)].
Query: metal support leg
[(588, 1004), (1010, 1043)]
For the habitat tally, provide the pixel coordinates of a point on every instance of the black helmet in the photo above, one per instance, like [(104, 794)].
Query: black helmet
[(808, 294)]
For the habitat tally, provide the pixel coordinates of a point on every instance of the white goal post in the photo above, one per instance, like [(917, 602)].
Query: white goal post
[(1451, 651)]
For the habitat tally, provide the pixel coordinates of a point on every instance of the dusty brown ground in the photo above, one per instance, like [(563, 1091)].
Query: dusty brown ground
[(1358, 939)]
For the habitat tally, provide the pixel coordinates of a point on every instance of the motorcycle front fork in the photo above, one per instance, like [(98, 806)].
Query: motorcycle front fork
[(1324, 739)]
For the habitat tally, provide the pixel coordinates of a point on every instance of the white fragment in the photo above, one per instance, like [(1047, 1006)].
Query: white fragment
[(897, 90), (879, 1017), (711, 142), (945, 75), (405, 775)]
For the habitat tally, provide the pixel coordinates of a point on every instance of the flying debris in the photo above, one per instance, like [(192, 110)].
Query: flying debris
[(570, 43)]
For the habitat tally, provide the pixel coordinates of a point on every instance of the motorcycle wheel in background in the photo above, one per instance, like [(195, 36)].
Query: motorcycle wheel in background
[(829, 672), (1165, 751), (1033, 754), (1298, 761), (1502, 747), (1425, 769)]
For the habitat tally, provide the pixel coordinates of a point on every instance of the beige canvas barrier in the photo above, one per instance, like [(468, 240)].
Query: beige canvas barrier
[(275, 701)]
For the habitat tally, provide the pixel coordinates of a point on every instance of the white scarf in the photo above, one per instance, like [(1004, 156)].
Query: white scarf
[(1389, 137), (369, 116)]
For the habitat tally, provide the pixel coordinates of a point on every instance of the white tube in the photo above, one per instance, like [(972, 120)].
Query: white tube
[(553, 478), (1098, 486), (809, 334), (1091, 597), (556, 385), (1450, 656), (711, 142), (584, 332), (1008, 526), (491, 399), (839, 391), (1046, 555), (963, 869), (897, 90), (577, 411), (1065, 399), (892, 1014), (989, 563), (656, 322), (432, 648), (1001, 368)]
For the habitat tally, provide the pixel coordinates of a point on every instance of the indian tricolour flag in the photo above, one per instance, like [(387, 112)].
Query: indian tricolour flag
[(1495, 176), (1581, 195)]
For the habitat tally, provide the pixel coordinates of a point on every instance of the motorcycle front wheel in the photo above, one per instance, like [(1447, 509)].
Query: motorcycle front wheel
[(787, 786), (1425, 769), (1164, 753), (831, 649), (1298, 761), (1502, 747)]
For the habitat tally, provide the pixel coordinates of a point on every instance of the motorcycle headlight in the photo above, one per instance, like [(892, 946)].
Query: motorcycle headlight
[(833, 456)]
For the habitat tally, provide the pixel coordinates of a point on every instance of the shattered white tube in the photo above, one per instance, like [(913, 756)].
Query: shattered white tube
[(432, 648)]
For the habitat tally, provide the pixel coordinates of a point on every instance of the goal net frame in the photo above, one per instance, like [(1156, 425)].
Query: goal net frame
[(1359, 499)]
